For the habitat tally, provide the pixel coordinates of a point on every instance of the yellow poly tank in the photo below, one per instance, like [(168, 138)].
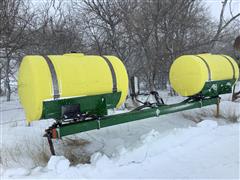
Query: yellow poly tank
[(189, 73), (77, 75)]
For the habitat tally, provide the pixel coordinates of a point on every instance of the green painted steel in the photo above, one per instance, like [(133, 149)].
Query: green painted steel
[(82, 126), (215, 88), (96, 104)]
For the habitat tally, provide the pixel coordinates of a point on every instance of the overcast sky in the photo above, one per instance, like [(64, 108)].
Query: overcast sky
[(216, 5)]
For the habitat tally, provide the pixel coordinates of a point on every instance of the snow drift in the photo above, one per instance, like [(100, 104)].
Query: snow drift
[(191, 144)]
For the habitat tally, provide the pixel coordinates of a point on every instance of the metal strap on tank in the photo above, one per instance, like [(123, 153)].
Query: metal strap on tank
[(56, 93), (114, 78), (231, 65), (208, 68)]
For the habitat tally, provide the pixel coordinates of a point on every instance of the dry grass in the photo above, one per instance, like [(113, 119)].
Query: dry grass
[(32, 153), (229, 112), (74, 151), (231, 115), (199, 115), (27, 152)]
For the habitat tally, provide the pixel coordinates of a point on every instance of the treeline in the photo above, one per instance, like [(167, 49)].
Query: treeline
[(146, 34)]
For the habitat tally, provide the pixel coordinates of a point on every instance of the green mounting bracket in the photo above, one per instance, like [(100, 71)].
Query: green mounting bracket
[(215, 88), (92, 105)]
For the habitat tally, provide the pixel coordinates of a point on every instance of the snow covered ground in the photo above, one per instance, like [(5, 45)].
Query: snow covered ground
[(190, 144)]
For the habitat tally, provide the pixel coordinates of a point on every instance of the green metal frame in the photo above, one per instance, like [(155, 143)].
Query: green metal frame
[(93, 110), (95, 105), (215, 88), (98, 104), (82, 126)]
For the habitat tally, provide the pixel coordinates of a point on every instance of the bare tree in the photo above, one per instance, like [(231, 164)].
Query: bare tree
[(14, 19), (146, 34), (163, 30), (223, 24)]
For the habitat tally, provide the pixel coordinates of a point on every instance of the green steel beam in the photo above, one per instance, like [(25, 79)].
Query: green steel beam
[(98, 104), (73, 128)]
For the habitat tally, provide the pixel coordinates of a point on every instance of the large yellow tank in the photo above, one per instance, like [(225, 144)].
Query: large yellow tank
[(77, 75), (189, 73)]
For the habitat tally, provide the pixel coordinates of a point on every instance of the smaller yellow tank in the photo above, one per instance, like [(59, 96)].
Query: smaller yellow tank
[(189, 74)]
